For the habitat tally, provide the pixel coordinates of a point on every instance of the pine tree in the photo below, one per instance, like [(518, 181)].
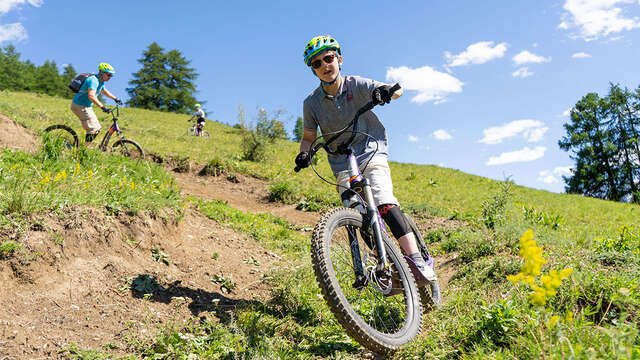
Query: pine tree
[(68, 75), (165, 82)]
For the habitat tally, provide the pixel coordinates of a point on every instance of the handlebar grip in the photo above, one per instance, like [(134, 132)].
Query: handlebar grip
[(395, 88)]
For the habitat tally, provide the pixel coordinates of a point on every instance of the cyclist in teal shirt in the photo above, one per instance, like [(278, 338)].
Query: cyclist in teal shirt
[(88, 95)]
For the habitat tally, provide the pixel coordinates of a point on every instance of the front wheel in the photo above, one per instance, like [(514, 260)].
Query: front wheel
[(128, 148), (384, 312), (62, 135), (429, 293)]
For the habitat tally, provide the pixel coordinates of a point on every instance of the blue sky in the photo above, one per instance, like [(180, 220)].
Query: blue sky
[(487, 84)]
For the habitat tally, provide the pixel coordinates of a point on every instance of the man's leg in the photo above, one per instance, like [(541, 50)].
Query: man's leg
[(89, 121)]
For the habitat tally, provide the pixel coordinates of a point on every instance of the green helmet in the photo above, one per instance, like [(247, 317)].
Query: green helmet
[(104, 67), (319, 44), (197, 105)]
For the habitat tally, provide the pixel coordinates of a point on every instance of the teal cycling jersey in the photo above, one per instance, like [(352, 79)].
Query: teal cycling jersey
[(82, 97)]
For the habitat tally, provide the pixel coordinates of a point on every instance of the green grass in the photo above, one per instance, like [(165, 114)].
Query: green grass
[(484, 315)]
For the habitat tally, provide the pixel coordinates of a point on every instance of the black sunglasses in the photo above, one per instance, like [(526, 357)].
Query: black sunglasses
[(327, 58)]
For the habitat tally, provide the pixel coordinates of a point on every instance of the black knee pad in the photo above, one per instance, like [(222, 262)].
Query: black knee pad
[(393, 216)]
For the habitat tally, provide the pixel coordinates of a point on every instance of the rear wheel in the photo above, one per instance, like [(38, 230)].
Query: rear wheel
[(205, 134), (128, 148), (63, 135), (429, 294), (384, 312)]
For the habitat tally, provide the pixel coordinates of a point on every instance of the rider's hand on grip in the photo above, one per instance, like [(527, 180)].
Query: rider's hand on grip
[(382, 94), (106, 109), (118, 101), (302, 160)]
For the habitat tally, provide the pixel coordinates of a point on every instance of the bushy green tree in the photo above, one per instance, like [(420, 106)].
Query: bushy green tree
[(165, 82), (25, 76), (270, 126), (602, 137)]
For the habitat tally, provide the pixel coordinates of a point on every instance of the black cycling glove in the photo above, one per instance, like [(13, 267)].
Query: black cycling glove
[(382, 95), (118, 101), (302, 160), (106, 109)]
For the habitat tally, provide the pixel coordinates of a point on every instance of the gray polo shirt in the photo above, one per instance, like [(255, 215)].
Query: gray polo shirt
[(333, 113)]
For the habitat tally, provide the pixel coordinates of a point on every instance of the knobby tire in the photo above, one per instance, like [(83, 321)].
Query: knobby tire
[(128, 148), (66, 134), (325, 260)]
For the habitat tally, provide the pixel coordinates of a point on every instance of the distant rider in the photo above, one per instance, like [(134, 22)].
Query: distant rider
[(88, 95), (199, 116), (331, 106)]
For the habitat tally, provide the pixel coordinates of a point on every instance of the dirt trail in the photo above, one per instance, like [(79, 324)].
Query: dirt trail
[(71, 283), (249, 194)]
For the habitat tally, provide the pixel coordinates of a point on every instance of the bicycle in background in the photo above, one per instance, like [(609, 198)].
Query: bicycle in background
[(122, 146)]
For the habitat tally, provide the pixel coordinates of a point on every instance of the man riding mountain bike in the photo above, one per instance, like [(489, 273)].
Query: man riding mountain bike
[(331, 106), (82, 102), (199, 115)]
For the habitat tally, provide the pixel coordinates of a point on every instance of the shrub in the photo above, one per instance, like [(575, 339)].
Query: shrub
[(8, 247), (254, 146), (214, 167), (182, 164), (493, 209), (283, 191)]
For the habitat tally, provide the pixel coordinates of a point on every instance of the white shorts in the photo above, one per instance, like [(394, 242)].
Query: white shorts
[(87, 117), (379, 176)]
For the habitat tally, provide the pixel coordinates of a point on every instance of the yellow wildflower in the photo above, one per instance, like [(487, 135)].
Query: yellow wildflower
[(60, 176), (553, 321)]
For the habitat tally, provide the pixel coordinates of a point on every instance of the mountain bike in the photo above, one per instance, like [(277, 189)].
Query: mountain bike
[(364, 277), (195, 128), (125, 147)]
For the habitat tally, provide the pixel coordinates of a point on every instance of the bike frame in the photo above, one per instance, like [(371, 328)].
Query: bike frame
[(370, 218), (114, 128)]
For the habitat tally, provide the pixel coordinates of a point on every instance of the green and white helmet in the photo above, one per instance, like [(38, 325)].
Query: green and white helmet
[(319, 44)]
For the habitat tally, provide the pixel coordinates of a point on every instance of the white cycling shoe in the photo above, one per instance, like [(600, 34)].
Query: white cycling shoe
[(422, 273)]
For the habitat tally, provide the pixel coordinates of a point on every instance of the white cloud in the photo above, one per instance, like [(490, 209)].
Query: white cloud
[(567, 112), (525, 57), (580, 55), (523, 155), (549, 176), (430, 84), (478, 53), (15, 31), (531, 130), (12, 32), (563, 170), (413, 138), (597, 18), (442, 135), (7, 5), (546, 177), (522, 73)]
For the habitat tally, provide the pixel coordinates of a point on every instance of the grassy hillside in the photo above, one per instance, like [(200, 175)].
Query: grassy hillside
[(593, 313)]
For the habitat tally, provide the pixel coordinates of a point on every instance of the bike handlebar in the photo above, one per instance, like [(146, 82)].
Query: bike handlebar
[(342, 147)]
